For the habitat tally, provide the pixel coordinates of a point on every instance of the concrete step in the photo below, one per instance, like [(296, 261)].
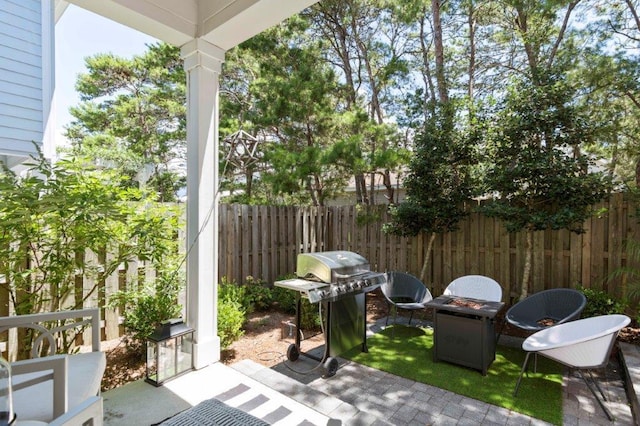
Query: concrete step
[(630, 363), (304, 386)]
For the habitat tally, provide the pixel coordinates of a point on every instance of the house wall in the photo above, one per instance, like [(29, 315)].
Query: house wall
[(26, 76)]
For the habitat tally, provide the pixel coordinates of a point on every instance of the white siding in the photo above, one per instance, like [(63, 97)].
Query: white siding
[(21, 74)]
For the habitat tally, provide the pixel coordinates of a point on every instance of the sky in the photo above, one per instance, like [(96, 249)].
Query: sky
[(79, 34)]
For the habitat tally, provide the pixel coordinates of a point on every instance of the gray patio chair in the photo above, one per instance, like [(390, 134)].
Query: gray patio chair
[(475, 287), (404, 291), (546, 308)]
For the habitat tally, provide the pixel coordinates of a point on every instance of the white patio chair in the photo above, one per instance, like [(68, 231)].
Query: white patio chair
[(58, 389), (475, 287), (583, 344)]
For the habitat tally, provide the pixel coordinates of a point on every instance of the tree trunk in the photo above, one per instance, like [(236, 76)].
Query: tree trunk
[(386, 177), (528, 258), (430, 92), (361, 189), (249, 178), (472, 51), (443, 93), (427, 259)]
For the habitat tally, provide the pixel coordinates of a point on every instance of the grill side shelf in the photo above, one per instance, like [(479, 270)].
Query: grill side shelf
[(308, 289)]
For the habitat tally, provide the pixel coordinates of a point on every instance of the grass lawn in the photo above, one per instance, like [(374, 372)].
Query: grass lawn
[(409, 354)]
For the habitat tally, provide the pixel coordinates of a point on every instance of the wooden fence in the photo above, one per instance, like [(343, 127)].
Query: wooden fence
[(263, 242)]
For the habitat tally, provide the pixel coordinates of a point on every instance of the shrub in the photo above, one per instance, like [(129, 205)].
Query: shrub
[(231, 312), (229, 290), (257, 295), (146, 309), (600, 303), (231, 317)]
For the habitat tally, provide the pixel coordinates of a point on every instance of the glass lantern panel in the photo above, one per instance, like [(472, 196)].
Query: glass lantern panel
[(152, 367), (167, 359), (184, 351)]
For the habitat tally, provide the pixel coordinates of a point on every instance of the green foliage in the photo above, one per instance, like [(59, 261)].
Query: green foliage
[(600, 303), (539, 178), (279, 87), (252, 295), (54, 216), (439, 181), (232, 302), (133, 116), (229, 290), (258, 295), (146, 309), (537, 175), (231, 318)]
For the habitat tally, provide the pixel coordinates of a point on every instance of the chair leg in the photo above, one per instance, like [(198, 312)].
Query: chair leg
[(595, 395), (395, 320), (597, 385), (388, 313), (410, 317), (524, 367)]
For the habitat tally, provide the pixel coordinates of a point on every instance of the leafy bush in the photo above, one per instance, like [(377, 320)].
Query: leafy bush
[(257, 295), (252, 295), (146, 309), (229, 290), (600, 303), (231, 317), (231, 312)]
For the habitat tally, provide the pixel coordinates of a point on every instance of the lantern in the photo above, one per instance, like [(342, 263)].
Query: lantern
[(169, 351), (7, 416)]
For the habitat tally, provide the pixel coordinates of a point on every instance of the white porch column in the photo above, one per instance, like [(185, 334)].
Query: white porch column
[(202, 62)]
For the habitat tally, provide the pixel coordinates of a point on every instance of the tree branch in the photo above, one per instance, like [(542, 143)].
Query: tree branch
[(563, 29)]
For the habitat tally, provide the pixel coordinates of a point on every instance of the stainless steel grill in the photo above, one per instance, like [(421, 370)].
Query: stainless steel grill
[(332, 275), (337, 281)]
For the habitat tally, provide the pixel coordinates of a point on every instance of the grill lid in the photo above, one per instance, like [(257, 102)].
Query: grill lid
[(328, 266)]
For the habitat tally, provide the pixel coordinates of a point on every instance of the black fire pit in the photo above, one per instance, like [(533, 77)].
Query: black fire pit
[(464, 331)]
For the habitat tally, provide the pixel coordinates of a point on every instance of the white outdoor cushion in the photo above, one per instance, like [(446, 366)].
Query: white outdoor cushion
[(85, 371)]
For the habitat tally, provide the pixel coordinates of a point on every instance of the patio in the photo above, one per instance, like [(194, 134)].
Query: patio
[(356, 395)]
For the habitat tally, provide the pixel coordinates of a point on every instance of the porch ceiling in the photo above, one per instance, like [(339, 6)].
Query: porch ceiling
[(224, 23)]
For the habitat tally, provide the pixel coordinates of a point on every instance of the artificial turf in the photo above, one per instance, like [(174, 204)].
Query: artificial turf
[(409, 354)]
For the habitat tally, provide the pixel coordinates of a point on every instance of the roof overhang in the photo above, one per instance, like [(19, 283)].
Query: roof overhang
[(223, 23)]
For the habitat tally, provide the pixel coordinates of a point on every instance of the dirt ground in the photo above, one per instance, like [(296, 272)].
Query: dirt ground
[(266, 339), (263, 342)]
